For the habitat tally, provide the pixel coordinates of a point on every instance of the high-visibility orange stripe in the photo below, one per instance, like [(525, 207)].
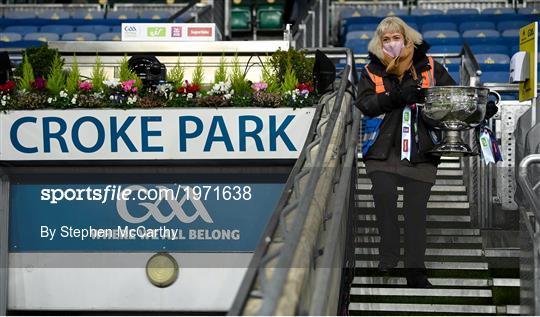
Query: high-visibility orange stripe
[(428, 78), (377, 80)]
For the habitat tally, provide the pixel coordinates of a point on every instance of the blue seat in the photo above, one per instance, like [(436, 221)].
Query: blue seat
[(116, 29), (481, 33), (358, 46), (155, 14), (475, 25), (492, 58), (79, 36), (57, 28), (96, 29), (449, 60), (88, 14), (445, 49), (21, 44), (10, 37), (122, 15), (452, 67), (423, 12), (498, 11), (362, 27), (53, 15), (529, 10), (444, 41), (511, 24), (110, 36), (462, 11), (455, 76), (364, 35), (439, 26), (440, 34), (489, 49), (495, 68), (41, 36), (21, 29), (348, 12), (19, 15), (495, 77), (386, 12)]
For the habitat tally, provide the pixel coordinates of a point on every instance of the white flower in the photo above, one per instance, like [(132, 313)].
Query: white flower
[(63, 94), (189, 96), (111, 83), (111, 97), (74, 100), (49, 100), (3, 102), (227, 96)]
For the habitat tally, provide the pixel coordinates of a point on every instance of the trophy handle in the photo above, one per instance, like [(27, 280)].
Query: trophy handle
[(494, 92)]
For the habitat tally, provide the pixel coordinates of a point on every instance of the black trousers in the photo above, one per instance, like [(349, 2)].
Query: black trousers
[(416, 195)]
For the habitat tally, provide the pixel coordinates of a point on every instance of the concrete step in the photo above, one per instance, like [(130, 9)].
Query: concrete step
[(431, 292), (442, 166), (423, 308), (450, 240), (432, 205), (438, 181), (441, 173), (429, 231), (506, 282), (503, 253), (432, 198), (429, 252), (431, 265), (437, 282), (435, 189), (430, 218)]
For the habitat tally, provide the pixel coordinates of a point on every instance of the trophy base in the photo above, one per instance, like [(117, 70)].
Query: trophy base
[(453, 145)]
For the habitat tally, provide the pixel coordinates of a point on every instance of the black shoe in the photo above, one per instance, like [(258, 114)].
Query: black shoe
[(417, 278), (386, 268)]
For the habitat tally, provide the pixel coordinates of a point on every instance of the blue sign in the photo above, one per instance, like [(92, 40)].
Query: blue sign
[(206, 217)]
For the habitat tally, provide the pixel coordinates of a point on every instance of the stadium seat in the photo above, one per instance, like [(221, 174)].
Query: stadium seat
[(41, 36), (240, 18), (452, 67), (449, 60), (57, 28), (494, 77), (511, 24), (489, 49), (423, 12), (362, 27), (122, 15), (495, 67), (492, 58), (155, 14), (10, 37), (462, 11), (270, 17), (53, 15), (440, 34), (116, 29), (511, 35), (475, 25), (364, 35), (21, 44), (110, 36), (445, 49), (79, 36), (348, 12), (88, 15), (19, 15), (439, 26), (529, 10), (21, 29), (358, 46), (471, 35), (385, 12), (455, 76), (498, 11), (91, 28), (433, 41)]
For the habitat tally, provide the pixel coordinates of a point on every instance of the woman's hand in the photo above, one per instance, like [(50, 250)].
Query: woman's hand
[(413, 94)]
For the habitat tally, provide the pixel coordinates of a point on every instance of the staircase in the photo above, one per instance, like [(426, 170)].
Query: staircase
[(455, 259)]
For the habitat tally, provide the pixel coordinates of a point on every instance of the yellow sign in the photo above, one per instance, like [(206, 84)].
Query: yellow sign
[(528, 42)]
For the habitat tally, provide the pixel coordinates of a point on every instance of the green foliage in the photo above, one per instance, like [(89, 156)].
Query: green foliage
[(176, 75), (72, 81), (269, 78), (98, 76), (56, 79), (301, 65), (290, 81), (239, 83), (41, 59), (27, 76), (221, 72), (198, 73), (127, 74)]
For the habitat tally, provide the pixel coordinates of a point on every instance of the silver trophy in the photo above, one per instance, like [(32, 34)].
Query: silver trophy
[(453, 109)]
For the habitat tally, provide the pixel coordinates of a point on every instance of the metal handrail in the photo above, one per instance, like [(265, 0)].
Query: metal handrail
[(306, 167), (526, 186)]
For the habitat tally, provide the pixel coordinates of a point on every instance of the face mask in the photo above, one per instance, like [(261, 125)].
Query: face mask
[(393, 48)]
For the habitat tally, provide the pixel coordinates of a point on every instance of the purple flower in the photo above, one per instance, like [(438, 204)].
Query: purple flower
[(85, 85), (259, 86), (39, 83)]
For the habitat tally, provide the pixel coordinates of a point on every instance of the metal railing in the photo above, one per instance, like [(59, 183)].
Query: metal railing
[(310, 31), (530, 237), (462, 4), (71, 8), (297, 266)]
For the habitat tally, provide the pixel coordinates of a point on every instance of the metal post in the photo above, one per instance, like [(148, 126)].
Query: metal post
[(4, 227), (535, 111)]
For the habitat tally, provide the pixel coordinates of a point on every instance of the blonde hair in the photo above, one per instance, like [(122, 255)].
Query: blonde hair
[(393, 24)]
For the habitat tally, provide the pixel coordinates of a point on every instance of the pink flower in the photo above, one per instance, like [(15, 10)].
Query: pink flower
[(134, 89), (39, 83), (85, 85), (259, 86), (128, 85)]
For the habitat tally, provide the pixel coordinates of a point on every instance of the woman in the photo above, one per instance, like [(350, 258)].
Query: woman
[(396, 140)]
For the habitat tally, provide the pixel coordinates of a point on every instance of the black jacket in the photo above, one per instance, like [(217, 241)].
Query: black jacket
[(372, 104)]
